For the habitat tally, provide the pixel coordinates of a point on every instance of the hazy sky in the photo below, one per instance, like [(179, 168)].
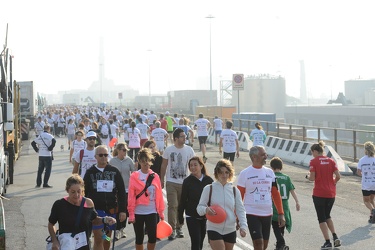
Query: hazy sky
[(56, 43)]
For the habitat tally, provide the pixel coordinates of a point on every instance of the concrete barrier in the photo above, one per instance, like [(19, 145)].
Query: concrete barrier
[(298, 152), (244, 141), (211, 136)]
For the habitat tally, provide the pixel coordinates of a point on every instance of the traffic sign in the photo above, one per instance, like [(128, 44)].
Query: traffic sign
[(120, 95), (238, 82)]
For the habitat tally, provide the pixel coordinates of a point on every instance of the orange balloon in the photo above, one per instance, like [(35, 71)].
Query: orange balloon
[(163, 229), (220, 215), (112, 142)]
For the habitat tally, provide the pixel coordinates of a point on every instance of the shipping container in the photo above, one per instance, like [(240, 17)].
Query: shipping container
[(223, 112)]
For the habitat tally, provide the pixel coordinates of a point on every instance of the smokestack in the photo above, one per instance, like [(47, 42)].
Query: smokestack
[(303, 93)]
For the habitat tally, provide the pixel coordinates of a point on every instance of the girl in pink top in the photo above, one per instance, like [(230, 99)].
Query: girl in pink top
[(145, 204)]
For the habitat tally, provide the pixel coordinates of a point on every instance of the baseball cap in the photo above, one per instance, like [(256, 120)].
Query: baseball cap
[(91, 134), (167, 113)]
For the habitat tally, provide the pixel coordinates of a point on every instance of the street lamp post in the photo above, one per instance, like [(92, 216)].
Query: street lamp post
[(149, 78), (211, 94)]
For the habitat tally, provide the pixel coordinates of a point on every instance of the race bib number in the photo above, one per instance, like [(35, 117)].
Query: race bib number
[(104, 186), (80, 240)]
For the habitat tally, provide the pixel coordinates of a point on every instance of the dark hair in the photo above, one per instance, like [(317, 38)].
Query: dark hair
[(318, 147), (177, 132), (200, 115), (229, 124), (200, 161), (228, 165), (276, 163)]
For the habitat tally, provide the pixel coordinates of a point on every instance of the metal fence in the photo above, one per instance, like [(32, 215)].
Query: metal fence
[(348, 143)]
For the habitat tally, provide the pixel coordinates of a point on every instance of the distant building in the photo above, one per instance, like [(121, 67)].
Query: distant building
[(262, 94), (360, 91), (187, 100)]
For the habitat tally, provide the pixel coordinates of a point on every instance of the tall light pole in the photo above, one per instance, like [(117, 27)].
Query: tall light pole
[(149, 78), (211, 94)]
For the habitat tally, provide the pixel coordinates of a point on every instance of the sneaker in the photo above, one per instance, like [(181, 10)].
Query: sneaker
[(47, 186), (118, 235), (282, 248), (336, 242), (204, 159), (370, 219), (327, 245), (172, 236), (123, 235), (37, 186), (180, 234)]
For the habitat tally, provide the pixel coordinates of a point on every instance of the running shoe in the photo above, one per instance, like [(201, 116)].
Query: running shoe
[(204, 159), (172, 236), (180, 234), (326, 245), (336, 242)]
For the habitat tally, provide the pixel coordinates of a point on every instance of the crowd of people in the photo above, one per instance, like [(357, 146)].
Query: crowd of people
[(122, 182)]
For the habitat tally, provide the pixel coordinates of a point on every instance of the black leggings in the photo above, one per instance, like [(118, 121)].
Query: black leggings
[(197, 232), (323, 207), (279, 233), (140, 221)]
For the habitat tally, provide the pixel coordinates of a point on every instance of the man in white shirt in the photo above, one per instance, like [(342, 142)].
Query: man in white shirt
[(202, 125), (84, 161), (229, 142), (175, 169), (44, 145), (39, 126), (218, 126), (159, 135)]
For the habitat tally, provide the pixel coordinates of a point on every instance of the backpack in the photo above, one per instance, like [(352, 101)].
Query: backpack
[(148, 183)]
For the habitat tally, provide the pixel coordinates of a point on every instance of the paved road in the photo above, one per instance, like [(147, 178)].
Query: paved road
[(28, 209)]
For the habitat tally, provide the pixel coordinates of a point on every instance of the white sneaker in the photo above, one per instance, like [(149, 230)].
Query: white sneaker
[(122, 230), (118, 235)]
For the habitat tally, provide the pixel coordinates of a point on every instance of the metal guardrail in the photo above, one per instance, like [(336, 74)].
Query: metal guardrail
[(348, 143)]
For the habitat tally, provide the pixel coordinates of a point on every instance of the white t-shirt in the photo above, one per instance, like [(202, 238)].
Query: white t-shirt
[(44, 140), (178, 158), (77, 146), (113, 130), (125, 128), (367, 165), (87, 161), (39, 127), (258, 137), (151, 207), (134, 140), (218, 124), (143, 127), (258, 186), (202, 126), (71, 127), (229, 140), (151, 118), (159, 134)]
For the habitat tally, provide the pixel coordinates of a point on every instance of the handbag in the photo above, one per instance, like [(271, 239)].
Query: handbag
[(67, 240), (47, 147)]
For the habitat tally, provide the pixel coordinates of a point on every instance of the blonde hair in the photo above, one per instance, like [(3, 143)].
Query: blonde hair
[(369, 148)]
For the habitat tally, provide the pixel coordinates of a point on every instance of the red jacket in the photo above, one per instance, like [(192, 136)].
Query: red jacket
[(136, 186)]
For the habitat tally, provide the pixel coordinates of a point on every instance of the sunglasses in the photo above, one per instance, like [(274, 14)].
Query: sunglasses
[(101, 155), (123, 149), (91, 138)]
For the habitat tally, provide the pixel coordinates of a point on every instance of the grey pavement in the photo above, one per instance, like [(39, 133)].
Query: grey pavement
[(28, 209)]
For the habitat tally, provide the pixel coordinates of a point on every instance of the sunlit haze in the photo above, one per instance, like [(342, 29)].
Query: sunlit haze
[(56, 44)]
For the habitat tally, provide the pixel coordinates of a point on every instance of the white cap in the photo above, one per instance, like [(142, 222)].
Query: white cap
[(91, 134), (167, 113)]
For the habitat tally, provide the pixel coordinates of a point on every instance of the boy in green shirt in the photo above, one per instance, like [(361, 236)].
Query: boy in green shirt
[(286, 187)]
